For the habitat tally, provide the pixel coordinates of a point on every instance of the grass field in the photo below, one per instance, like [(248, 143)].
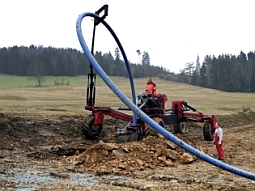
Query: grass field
[(19, 95), (8, 81)]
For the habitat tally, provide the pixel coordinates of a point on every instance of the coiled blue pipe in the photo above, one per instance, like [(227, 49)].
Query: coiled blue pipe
[(140, 113)]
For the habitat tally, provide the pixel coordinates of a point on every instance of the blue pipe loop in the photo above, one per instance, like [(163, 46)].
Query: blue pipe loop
[(139, 112), (84, 46)]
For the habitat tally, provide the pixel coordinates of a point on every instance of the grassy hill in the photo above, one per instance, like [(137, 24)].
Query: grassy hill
[(20, 95)]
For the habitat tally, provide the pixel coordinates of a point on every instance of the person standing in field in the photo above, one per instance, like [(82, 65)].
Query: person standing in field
[(218, 140)]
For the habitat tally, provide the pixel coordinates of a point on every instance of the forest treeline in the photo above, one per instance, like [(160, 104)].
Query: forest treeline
[(226, 72), (33, 60)]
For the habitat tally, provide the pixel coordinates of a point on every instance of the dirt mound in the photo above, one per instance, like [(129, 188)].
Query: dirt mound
[(126, 159), (43, 154), (240, 118), (47, 139)]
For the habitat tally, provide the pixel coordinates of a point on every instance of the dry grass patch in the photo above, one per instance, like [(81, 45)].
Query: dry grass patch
[(71, 99)]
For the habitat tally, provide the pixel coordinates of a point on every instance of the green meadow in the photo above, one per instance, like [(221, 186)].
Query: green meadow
[(20, 95)]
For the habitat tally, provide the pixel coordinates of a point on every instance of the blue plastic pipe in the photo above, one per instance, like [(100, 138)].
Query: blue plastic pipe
[(138, 112), (132, 86)]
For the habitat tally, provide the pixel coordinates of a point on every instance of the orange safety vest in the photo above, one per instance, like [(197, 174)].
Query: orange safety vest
[(151, 88)]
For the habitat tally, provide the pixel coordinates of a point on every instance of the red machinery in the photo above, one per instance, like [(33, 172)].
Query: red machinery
[(154, 107)]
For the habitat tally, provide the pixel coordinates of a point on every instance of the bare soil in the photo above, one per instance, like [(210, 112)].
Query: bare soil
[(52, 154)]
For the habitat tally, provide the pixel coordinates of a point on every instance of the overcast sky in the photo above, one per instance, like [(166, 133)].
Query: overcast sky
[(173, 32)]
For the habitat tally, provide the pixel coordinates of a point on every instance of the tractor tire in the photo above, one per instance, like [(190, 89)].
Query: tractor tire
[(88, 128), (150, 131), (180, 127), (208, 131)]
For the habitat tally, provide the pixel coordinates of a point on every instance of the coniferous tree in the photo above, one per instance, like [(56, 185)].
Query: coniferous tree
[(243, 70), (251, 71), (203, 76), (139, 53), (117, 53), (145, 58), (214, 73)]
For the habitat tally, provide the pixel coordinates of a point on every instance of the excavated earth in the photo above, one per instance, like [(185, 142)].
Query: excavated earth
[(53, 154)]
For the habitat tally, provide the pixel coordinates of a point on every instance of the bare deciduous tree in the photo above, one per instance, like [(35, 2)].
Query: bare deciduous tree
[(37, 71)]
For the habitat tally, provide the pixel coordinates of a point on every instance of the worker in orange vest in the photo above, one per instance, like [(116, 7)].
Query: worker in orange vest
[(151, 87)]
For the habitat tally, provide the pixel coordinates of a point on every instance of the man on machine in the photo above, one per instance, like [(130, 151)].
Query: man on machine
[(151, 88)]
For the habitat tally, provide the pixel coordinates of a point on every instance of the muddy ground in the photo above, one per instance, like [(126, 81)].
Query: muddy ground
[(53, 154)]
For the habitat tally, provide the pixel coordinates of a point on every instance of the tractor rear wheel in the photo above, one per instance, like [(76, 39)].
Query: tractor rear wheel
[(89, 129), (180, 128), (150, 131), (208, 131)]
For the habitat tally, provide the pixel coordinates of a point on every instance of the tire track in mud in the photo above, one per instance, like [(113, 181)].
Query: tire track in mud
[(239, 128)]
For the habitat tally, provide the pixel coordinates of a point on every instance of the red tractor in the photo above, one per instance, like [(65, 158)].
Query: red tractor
[(178, 115), (154, 107)]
